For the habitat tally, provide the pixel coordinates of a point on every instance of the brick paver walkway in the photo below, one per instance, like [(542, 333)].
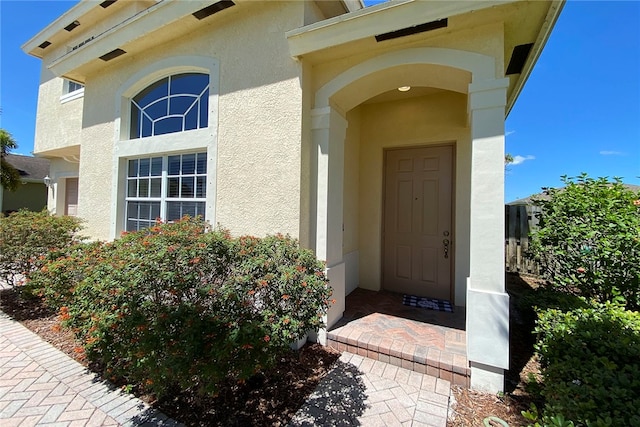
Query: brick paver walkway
[(42, 386), (370, 393)]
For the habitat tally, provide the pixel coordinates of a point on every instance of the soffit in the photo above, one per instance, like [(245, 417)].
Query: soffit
[(70, 153)]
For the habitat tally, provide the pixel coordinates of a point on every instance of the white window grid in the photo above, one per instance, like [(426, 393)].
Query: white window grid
[(197, 99), (145, 183)]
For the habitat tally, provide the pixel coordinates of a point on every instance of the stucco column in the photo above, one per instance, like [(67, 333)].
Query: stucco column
[(487, 302), (329, 129)]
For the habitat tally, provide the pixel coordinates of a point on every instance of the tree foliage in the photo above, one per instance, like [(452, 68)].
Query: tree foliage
[(9, 176), (588, 240)]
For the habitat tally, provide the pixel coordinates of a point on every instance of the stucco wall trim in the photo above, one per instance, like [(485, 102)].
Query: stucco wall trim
[(481, 67)]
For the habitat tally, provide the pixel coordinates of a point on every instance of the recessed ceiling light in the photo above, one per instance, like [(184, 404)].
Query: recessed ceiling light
[(404, 88)]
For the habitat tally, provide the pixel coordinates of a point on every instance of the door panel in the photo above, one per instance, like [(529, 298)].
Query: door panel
[(417, 220), (71, 197)]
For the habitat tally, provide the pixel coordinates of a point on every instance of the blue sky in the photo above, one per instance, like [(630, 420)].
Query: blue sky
[(579, 112)]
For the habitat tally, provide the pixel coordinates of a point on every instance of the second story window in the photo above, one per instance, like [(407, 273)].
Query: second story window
[(174, 104), (71, 86), (71, 90)]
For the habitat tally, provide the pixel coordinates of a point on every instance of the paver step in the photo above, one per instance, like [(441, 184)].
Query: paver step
[(441, 354)]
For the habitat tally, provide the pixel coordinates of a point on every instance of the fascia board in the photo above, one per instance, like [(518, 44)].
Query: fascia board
[(541, 41), (73, 14), (379, 19), (144, 22)]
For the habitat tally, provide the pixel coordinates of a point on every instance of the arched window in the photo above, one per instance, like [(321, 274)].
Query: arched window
[(173, 104)]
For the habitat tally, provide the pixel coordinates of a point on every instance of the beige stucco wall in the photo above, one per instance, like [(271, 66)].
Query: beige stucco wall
[(352, 182), (258, 116), (485, 39), (58, 123)]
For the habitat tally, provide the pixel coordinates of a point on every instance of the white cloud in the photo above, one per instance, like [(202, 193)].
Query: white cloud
[(509, 132), (612, 153), (521, 159)]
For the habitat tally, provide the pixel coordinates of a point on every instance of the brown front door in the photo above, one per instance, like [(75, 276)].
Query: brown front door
[(417, 221)]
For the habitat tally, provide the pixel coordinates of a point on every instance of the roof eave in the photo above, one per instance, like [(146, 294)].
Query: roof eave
[(31, 47), (538, 46), (381, 18)]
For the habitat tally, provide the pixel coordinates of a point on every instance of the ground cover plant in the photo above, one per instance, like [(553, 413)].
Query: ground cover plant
[(178, 307)]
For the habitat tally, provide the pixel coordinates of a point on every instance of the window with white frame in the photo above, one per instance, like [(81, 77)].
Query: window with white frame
[(166, 188), (71, 86), (71, 90), (163, 152), (173, 104)]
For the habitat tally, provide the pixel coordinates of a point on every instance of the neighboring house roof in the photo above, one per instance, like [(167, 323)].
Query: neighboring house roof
[(543, 195), (30, 168)]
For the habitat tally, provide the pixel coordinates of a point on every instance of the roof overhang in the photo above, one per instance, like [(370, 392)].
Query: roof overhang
[(368, 22), (99, 45), (543, 35), (312, 42), (106, 30)]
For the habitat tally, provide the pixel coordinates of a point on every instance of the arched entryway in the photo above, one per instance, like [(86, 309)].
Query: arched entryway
[(470, 101)]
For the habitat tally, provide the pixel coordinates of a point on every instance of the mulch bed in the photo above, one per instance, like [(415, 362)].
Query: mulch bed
[(472, 407), (268, 399), (272, 398)]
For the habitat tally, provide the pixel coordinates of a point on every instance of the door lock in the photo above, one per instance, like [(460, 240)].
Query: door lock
[(445, 242)]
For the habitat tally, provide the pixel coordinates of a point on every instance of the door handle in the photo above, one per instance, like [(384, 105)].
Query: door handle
[(445, 242)]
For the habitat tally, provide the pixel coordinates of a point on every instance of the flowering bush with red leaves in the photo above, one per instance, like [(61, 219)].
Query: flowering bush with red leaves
[(178, 306)]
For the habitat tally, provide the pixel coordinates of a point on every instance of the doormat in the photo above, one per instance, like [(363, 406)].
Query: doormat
[(429, 303)]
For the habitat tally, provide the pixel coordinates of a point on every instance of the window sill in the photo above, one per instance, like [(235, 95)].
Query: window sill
[(71, 96)]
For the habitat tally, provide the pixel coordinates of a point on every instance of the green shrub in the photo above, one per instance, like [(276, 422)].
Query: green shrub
[(28, 238), (61, 271), (588, 240), (175, 306), (543, 298), (591, 364), (545, 420)]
